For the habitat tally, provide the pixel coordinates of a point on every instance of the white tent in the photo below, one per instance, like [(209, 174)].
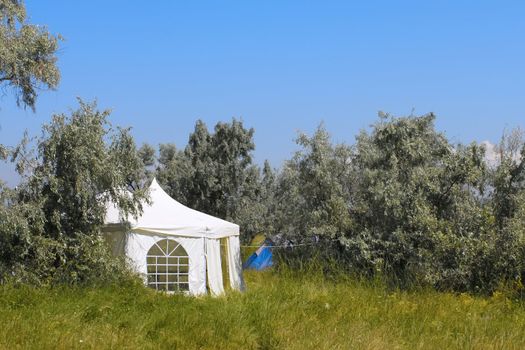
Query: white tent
[(176, 248)]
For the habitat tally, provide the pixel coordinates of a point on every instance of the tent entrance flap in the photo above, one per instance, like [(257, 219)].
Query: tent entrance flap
[(234, 263), (213, 264)]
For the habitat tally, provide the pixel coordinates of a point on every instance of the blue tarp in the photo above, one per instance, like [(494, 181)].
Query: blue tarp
[(261, 259)]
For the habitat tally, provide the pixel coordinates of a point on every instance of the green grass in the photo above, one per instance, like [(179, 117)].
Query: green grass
[(278, 311)]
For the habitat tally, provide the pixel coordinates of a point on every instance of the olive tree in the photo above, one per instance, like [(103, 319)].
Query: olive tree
[(509, 175), (417, 203), (52, 221), (215, 174), (504, 261), (27, 54), (312, 190)]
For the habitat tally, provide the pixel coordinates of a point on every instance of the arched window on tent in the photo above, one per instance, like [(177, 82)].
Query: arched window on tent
[(168, 266)]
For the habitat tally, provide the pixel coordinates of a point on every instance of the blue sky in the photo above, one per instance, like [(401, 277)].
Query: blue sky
[(284, 66)]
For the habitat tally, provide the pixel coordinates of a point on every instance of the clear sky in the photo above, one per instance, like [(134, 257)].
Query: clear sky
[(284, 66)]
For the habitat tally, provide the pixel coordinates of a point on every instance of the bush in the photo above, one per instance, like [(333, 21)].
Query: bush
[(50, 225)]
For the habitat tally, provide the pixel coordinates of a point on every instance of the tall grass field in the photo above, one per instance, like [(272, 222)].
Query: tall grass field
[(278, 311)]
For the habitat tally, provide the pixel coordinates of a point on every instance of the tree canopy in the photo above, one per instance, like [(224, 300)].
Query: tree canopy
[(53, 219), (407, 205), (215, 174), (403, 203), (28, 61)]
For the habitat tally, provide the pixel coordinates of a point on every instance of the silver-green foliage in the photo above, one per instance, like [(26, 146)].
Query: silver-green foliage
[(313, 190), (49, 225), (215, 174), (506, 246), (407, 204), (417, 203), (27, 54)]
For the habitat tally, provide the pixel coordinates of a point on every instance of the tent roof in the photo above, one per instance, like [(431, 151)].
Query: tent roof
[(167, 216)]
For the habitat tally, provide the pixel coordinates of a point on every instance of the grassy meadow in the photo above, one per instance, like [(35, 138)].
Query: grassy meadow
[(279, 311)]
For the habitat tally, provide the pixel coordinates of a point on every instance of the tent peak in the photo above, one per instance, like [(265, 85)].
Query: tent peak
[(154, 183), (156, 188)]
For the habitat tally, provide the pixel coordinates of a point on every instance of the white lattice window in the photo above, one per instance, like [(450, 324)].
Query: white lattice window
[(168, 266)]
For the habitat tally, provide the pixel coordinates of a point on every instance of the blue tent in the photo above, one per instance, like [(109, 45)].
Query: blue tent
[(261, 259)]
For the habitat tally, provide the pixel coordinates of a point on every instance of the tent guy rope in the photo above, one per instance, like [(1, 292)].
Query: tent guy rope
[(285, 245)]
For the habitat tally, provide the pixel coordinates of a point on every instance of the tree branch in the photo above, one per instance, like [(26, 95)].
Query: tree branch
[(7, 78)]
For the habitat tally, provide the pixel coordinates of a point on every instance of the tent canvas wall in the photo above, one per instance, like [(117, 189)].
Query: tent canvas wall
[(176, 248)]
